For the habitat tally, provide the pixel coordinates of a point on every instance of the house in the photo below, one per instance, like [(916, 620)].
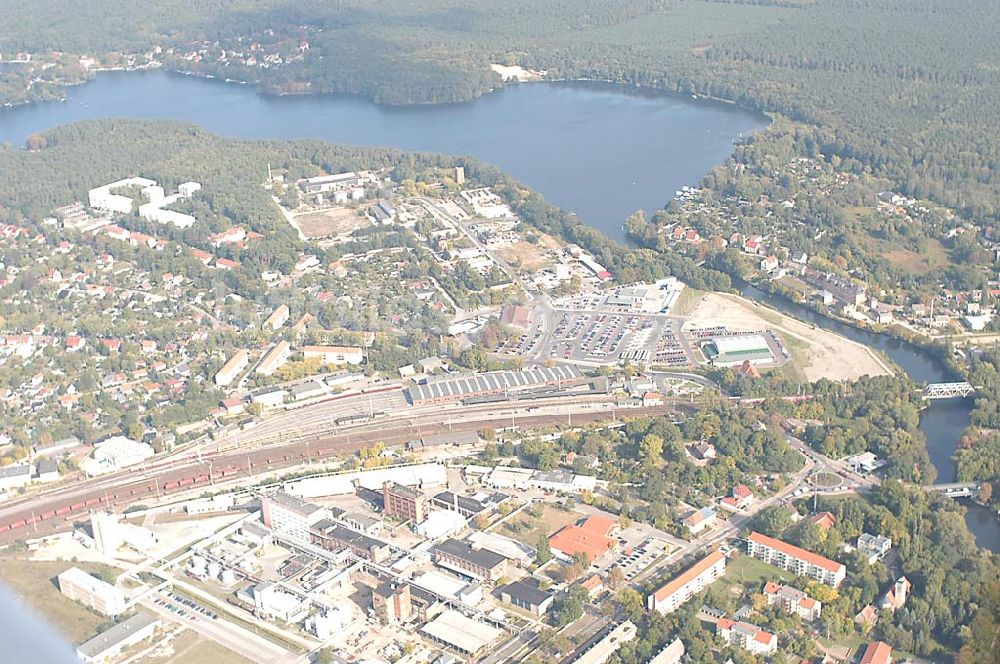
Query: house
[(700, 520), (769, 264), (233, 406), (741, 498), (824, 520), (46, 470), (703, 451), (594, 585), (897, 594), (748, 370), (792, 600), (527, 594), (866, 617), (873, 547), (747, 636), (877, 652)]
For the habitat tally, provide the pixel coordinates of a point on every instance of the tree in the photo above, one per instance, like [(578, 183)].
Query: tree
[(571, 605), (324, 656), (650, 449), (616, 578), (543, 553), (36, 142), (630, 602), (985, 492)]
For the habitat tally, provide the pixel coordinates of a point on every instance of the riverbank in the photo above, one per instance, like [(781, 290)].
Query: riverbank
[(816, 352)]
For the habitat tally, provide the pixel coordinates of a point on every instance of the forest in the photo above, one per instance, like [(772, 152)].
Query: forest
[(908, 89)]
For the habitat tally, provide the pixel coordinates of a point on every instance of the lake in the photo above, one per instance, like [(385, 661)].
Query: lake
[(602, 151)]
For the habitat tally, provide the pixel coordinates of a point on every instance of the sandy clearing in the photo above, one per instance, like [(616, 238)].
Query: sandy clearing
[(819, 353)]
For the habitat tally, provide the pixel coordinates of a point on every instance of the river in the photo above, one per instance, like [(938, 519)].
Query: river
[(601, 151), (942, 422)]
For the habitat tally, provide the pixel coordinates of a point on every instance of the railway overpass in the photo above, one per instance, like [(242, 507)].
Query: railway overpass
[(948, 390)]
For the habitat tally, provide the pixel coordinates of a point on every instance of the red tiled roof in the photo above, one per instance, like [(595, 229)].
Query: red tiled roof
[(689, 574), (796, 552)]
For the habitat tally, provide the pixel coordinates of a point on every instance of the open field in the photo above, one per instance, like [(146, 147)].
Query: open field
[(819, 353), (335, 221), (525, 255), (552, 519), (752, 573), (192, 648), (33, 582)]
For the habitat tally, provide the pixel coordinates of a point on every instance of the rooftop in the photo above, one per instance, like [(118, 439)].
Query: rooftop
[(795, 552), (465, 551), (466, 634), (688, 575), (110, 638)]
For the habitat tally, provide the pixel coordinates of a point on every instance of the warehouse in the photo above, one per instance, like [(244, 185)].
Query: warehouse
[(466, 635), (731, 351), (451, 389)]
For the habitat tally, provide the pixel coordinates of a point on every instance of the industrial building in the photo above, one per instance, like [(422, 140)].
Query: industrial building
[(108, 644), (332, 536), (527, 594), (465, 635), (403, 502), (90, 591), (289, 517), (113, 454), (391, 602), (689, 583), (451, 389), (735, 350), (796, 560), (469, 506), (464, 558)]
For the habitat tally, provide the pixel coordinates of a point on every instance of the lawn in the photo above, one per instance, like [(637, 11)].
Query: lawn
[(753, 573), (551, 520), (34, 583)]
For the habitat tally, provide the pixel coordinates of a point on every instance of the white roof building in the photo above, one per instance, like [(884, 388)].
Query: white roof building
[(113, 454)]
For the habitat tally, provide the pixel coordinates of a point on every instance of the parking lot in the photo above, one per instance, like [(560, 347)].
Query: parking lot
[(605, 338), (640, 557)]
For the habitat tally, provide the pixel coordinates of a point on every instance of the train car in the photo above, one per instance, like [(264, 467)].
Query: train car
[(65, 509), (48, 515), (20, 523)]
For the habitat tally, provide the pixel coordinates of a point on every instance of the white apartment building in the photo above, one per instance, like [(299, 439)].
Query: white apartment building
[(793, 559), (289, 517), (688, 584), (91, 591)]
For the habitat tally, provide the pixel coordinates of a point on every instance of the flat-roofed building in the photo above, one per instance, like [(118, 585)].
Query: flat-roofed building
[(792, 600), (527, 594), (108, 644), (602, 651), (796, 560), (391, 602), (335, 354), (688, 584), (232, 368), (289, 517), (403, 502), (332, 536), (465, 635), (274, 359), (749, 637), (87, 589), (478, 564), (469, 506), (735, 350), (467, 386)]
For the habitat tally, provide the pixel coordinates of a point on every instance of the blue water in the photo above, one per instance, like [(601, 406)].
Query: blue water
[(601, 151)]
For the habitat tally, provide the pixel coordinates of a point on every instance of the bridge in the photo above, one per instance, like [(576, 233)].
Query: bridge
[(948, 390), (955, 489)]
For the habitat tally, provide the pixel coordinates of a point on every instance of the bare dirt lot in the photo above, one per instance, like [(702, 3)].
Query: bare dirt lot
[(819, 354), (328, 223)]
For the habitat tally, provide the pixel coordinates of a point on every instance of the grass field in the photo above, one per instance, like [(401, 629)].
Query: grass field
[(34, 583), (192, 648), (551, 520), (752, 573)]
